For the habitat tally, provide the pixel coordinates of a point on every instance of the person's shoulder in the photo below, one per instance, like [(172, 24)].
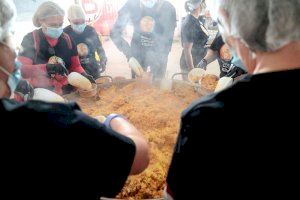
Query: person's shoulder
[(90, 29), (30, 34), (131, 4), (68, 29), (167, 5), (55, 108), (202, 106), (220, 102), (187, 21), (39, 107)]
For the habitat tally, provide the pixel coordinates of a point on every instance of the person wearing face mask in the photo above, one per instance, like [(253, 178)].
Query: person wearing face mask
[(242, 142), (48, 55), (154, 24), (230, 64), (194, 36), (17, 88), (55, 151), (87, 41)]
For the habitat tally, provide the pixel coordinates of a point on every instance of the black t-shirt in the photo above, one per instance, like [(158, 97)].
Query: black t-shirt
[(224, 55), (193, 31), (54, 151), (88, 40), (241, 142), (153, 28), (65, 49)]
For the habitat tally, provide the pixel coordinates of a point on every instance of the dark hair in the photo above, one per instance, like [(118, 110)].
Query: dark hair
[(186, 6), (189, 3)]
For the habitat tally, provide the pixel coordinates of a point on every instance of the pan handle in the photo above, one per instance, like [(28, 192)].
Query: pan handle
[(178, 74), (111, 78)]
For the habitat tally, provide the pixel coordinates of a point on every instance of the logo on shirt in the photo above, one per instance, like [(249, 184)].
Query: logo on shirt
[(225, 53), (147, 25), (82, 49)]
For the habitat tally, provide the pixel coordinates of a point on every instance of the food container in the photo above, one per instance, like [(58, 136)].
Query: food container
[(208, 84), (77, 80), (88, 93), (41, 94), (224, 83), (195, 75), (104, 79)]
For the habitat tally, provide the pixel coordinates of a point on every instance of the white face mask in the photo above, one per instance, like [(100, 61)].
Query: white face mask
[(149, 3)]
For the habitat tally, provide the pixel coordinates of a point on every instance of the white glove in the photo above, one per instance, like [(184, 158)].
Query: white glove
[(224, 83), (135, 66)]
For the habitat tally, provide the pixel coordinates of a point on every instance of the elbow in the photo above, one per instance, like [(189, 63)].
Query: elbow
[(115, 34), (141, 160)]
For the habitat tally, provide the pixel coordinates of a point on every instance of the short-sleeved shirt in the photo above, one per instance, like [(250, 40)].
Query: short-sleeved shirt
[(193, 31), (241, 142), (55, 151), (224, 55)]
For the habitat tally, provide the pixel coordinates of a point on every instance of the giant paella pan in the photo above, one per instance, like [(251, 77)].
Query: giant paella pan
[(155, 112)]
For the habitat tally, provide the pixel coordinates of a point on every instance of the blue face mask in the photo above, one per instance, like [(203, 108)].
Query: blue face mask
[(54, 32), (14, 78), (149, 3), (78, 28)]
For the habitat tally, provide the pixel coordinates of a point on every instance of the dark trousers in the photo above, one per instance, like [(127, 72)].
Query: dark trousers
[(157, 62)]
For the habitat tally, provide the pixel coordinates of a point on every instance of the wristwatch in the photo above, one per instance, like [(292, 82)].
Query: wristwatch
[(110, 117)]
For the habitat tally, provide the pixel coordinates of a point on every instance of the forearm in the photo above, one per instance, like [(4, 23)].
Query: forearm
[(117, 31), (211, 56), (189, 58), (29, 70), (123, 127), (102, 54), (100, 50), (141, 159), (121, 43), (76, 66)]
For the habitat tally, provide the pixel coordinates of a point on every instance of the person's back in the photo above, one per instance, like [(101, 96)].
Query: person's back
[(55, 151), (242, 142), (228, 156)]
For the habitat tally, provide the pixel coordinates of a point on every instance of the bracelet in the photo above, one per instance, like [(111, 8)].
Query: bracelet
[(110, 117)]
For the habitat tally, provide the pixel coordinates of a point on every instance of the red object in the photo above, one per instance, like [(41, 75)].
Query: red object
[(18, 98), (51, 41), (37, 75), (102, 14), (75, 65)]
